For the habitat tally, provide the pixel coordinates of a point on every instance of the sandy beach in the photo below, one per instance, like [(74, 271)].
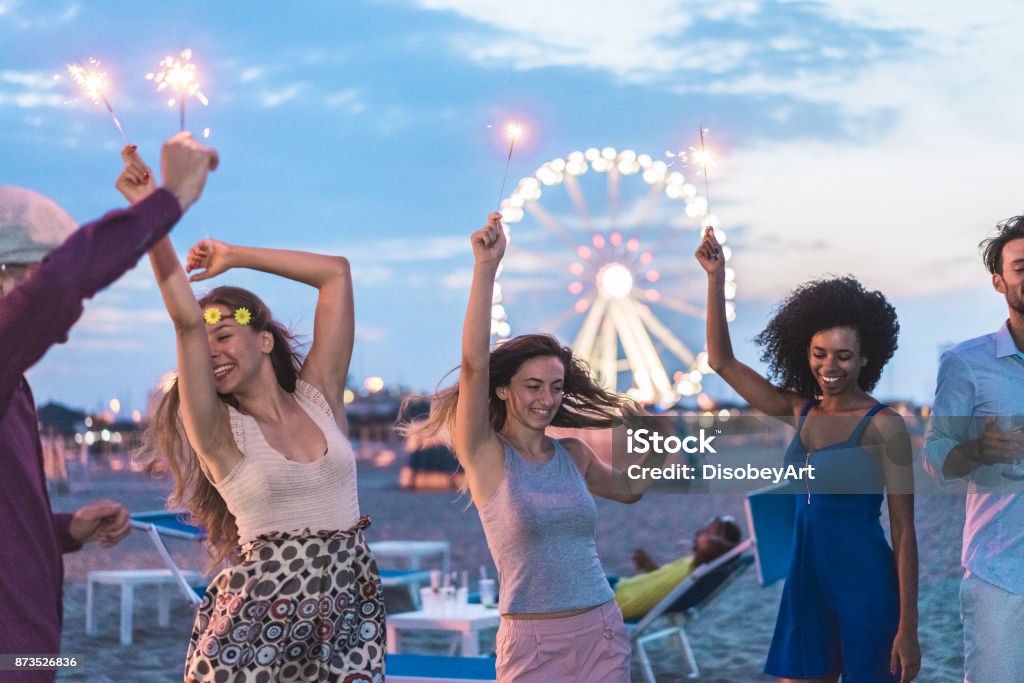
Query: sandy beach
[(730, 639)]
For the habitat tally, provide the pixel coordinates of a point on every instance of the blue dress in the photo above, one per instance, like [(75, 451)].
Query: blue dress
[(840, 605)]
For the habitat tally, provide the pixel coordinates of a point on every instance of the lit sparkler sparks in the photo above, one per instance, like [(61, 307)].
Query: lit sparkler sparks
[(703, 157), (180, 76), (93, 83), (513, 131)]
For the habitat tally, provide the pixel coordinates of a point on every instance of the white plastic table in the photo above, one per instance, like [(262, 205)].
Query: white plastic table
[(412, 552), (128, 580), (466, 621)]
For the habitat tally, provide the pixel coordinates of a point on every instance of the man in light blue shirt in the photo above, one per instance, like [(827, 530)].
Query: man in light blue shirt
[(977, 433)]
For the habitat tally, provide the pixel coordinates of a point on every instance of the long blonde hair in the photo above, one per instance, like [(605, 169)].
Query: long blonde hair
[(165, 440)]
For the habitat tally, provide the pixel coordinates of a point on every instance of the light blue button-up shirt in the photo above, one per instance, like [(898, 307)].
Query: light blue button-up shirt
[(978, 378)]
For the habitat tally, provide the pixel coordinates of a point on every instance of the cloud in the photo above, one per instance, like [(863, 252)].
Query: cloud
[(29, 89), (113, 320), (275, 98)]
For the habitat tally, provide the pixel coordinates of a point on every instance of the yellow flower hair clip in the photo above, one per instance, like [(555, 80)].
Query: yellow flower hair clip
[(212, 315)]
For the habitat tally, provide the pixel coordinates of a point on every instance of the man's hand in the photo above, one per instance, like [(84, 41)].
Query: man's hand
[(997, 446), (105, 521), (184, 164)]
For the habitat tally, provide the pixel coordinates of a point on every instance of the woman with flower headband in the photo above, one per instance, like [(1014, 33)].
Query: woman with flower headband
[(256, 440)]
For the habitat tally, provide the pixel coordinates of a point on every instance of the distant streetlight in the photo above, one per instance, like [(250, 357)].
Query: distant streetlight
[(373, 384), (115, 406)]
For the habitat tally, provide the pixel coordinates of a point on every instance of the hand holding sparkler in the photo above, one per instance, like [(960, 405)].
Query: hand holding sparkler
[(514, 131), (184, 164), (136, 181), (489, 242), (709, 253)]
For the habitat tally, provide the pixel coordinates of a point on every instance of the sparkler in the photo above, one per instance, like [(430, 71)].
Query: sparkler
[(180, 76), (704, 158), (514, 131), (93, 82)]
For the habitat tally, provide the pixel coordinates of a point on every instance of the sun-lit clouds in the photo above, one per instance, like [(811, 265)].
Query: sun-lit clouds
[(115, 320), (275, 98)]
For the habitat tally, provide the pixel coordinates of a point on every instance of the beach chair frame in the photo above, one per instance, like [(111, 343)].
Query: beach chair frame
[(637, 631), (149, 523)]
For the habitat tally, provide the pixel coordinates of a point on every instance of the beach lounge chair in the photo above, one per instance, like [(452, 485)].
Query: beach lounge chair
[(684, 603), (770, 517), (436, 668), (156, 525)]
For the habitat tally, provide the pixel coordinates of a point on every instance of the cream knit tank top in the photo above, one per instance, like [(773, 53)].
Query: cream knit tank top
[(267, 492)]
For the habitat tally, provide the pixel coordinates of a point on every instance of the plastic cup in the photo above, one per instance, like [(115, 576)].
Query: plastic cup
[(487, 592)]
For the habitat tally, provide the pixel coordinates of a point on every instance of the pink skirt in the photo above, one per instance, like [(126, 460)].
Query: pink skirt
[(587, 647)]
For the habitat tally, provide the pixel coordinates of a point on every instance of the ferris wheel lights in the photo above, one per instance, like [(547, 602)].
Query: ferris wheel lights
[(726, 253), (674, 191), (601, 165), (511, 214), (632, 244), (719, 234), (592, 154), (651, 176), (582, 305), (629, 167), (498, 312), (689, 191), (644, 160), (574, 167), (646, 257), (598, 241), (730, 291), (576, 268), (695, 376), (627, 155), (614, 280), (558, 165), (575, 287), (730, 311), (615, 238), (609, 153), (583, 251), (730, 274), (675, 178), (653, 276), (652, 295)]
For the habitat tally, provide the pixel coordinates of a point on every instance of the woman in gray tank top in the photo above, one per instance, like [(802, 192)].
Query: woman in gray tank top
[(559, 619)]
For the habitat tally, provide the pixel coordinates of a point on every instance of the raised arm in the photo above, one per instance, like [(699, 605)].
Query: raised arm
[(206, 419), (92, 258), (327, 363), (755, 389), (476, 444)]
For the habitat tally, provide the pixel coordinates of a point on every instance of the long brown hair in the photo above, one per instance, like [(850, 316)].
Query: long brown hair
[(165, 439), (585, 404)]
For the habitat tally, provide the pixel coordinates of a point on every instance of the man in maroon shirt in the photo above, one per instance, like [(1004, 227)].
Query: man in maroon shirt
[(39, 302)]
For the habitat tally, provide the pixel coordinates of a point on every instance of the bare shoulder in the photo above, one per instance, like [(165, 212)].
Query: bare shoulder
[(887, 424)]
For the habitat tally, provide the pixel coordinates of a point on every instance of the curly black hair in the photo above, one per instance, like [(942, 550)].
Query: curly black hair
[(822, 305)]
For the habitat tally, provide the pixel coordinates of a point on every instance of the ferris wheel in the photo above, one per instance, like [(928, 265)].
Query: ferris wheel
[(606, 258)]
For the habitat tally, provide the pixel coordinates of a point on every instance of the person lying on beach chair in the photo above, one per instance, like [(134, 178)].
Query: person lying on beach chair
[(637, 595)]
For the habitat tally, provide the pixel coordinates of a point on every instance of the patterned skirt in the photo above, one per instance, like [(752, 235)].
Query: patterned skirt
[(300, 607)]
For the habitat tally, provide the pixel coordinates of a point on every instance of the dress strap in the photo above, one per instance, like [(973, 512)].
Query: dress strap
[(803, 415), (863, 424)]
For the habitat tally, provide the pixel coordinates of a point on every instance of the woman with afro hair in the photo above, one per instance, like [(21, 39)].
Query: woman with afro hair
[(849, 606)]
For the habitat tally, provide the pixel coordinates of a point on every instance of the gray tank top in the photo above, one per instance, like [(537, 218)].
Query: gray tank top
[(540, 528)]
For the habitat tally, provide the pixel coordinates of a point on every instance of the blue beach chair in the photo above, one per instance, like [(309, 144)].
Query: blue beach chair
[(436, 668)]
